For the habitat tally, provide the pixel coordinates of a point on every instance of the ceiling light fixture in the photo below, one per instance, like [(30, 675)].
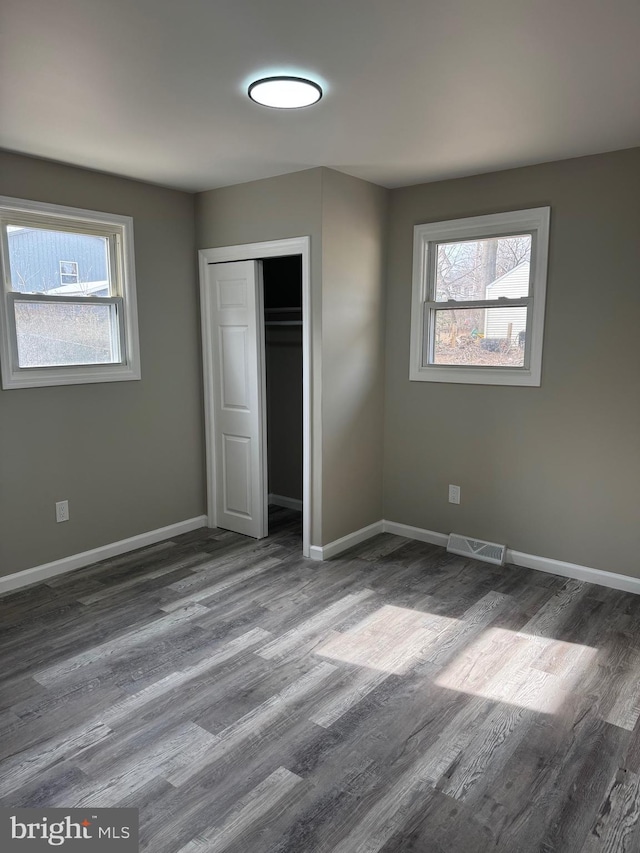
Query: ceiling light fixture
[(285, 93)]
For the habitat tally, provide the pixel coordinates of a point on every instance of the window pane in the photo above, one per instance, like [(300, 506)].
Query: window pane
[(483, 269), (58, 262), (66, 333), (490, 337)]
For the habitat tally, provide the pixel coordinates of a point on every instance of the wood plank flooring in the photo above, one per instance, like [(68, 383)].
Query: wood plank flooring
[(397, 699)]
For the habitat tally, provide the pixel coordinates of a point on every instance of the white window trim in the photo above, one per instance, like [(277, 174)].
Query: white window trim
[(67, 274), (534, 220), (123, 274)]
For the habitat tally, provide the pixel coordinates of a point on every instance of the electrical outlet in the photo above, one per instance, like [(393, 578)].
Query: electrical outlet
[(62, 511), (454, 494)]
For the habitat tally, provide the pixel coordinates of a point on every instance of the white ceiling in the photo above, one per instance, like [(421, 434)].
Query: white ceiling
[(415, 90)]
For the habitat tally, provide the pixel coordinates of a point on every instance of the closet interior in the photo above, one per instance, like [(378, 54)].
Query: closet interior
[(282, 283)]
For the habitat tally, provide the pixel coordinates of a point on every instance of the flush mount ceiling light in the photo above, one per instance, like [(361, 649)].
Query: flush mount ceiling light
[(285, 93)]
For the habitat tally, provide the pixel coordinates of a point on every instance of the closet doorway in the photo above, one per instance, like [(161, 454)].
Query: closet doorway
[(282, 299), (256, 324)]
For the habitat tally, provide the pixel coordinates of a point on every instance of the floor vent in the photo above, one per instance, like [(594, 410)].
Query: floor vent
[(490, 552)]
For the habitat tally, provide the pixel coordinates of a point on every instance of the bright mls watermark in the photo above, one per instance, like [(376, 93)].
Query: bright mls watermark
[(79, 830)]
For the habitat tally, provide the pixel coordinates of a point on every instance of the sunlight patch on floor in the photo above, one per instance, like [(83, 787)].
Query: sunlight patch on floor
[(522, 669), (391, 640), (502, 665)]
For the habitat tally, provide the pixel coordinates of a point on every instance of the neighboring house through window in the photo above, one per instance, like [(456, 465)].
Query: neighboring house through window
[(66, 321), (478, 299), (68, 270)]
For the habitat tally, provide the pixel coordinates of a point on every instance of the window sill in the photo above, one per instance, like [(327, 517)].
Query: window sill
[(82, 375), (476, 375)]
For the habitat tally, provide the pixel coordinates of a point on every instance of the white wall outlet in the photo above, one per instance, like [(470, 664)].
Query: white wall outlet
[(62, 511), (454, 494)]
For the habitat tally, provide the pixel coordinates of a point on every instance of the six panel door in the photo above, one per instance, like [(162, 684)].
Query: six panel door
[(235, 304)]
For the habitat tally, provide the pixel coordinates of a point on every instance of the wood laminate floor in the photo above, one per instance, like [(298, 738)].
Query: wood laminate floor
[(395, 700)]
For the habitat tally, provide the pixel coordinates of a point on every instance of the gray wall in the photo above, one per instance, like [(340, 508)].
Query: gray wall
[(273, 209), (353, 238), (127, 455), (553, 471), (284, 410), (345, 218)]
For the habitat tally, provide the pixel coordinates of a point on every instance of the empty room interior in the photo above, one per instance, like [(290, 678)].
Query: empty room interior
[(320, 426)]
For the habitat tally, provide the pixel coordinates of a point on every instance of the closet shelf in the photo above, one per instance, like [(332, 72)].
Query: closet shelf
[(283, 322)]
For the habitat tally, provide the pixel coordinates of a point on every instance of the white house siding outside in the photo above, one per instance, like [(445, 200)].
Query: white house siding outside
[(513, 284)]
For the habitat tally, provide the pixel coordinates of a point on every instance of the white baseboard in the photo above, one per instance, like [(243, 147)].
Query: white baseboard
[(86, 558), (612, 580), (287, 503), (529, 561), (325, 552), (574, 570), (37, 574), (418, 533)]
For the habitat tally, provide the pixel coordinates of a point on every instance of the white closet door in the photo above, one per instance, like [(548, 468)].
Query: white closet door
[(238, 386)]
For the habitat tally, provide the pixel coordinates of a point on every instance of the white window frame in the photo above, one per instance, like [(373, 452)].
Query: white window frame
[(534, 221), (119, 232), (67, 274)]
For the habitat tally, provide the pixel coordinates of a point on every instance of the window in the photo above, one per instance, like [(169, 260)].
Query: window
[(68, 272), (66, 322), (477, 311)]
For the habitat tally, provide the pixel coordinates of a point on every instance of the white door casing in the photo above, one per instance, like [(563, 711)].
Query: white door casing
[(311, 405), (233, 304)]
